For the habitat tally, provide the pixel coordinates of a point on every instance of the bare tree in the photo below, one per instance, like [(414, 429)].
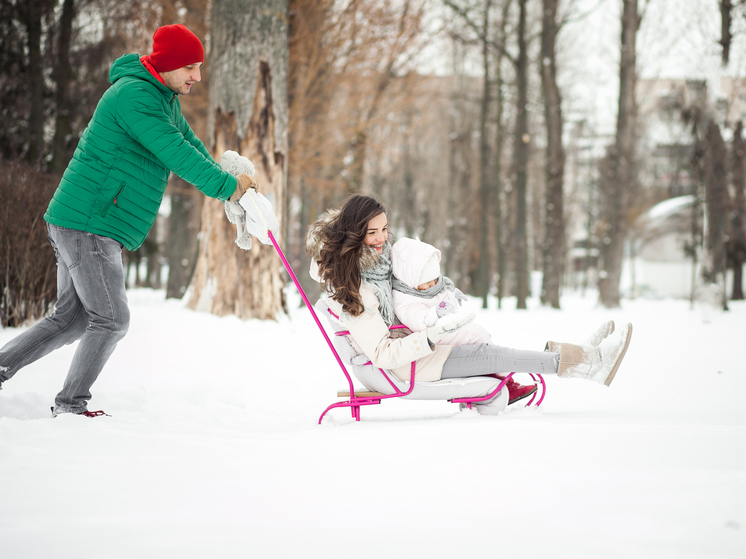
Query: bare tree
[(521, 138), (498, 156), (63, 77), (403, 27), (482, 283), (248, 114), (554, 230), (32, 13), (621, 183), (521, 152)]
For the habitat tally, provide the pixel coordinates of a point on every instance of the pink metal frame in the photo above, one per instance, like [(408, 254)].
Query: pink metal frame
[(355, 403)]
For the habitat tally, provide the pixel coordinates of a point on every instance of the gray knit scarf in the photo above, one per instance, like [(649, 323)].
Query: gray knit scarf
[(379, 277), (443, 283)]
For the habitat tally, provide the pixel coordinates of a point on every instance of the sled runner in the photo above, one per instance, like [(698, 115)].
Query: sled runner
[(487, 394)]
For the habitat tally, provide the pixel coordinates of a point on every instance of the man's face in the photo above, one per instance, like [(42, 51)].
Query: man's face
[(180, 81)]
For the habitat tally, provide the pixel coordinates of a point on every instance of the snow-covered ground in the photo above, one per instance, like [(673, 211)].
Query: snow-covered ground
[(212, 449)]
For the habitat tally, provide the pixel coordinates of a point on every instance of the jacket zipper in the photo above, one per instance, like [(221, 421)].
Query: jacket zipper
[(121, 188)]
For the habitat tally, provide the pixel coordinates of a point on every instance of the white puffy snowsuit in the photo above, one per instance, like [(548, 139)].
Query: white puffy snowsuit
[(408, 257)]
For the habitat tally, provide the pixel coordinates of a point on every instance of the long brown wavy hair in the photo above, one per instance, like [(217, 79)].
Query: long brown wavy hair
[(342, 249)]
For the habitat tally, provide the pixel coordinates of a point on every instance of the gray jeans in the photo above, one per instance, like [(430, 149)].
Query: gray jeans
[(487, 359), (91, 306)]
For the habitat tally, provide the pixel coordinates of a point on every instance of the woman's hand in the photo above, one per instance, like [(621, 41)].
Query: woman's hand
[(448, 324)]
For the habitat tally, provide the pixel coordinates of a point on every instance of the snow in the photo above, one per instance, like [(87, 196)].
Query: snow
[(669, 207), (212, 448)]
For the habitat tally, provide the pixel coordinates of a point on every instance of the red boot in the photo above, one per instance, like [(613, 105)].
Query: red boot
[(518, 391)]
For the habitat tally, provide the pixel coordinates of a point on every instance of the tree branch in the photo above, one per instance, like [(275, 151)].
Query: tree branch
[(465, 16)]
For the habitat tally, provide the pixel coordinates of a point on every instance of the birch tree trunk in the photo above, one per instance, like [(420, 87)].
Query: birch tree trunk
[(615, 196), (247, 114), (554, 232)]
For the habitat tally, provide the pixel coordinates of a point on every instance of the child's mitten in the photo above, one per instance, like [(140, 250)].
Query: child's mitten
[(448, 324), (445, 308)]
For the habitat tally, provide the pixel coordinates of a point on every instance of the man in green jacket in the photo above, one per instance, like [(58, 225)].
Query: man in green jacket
[(108, 199)]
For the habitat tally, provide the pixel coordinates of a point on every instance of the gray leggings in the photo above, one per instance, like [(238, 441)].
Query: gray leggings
[(486, 359)]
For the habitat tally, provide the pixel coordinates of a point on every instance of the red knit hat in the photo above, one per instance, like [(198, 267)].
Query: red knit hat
[(174, 47)]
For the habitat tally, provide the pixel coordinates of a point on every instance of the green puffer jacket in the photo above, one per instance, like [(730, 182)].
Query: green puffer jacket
[(116, 179)]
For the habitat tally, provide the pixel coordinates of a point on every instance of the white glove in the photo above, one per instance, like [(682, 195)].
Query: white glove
[(448, 324)]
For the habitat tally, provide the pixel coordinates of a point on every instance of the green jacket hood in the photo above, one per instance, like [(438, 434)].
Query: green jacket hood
[(130, 65)]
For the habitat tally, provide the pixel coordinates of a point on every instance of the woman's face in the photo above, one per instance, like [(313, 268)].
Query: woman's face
[(378, 232)]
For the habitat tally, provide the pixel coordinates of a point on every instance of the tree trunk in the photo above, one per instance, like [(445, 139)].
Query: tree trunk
[(33, 11), (499, 148), (554, 233), (621, 182), (184, 223), (248, 114), (716, 200), (63, 76), (521, 142), (737, 237), (482, 286)]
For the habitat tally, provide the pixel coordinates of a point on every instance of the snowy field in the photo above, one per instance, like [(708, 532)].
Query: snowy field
[(212, 449)]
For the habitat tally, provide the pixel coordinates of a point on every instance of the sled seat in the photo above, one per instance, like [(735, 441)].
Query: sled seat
[(486, 393), (359, 394)]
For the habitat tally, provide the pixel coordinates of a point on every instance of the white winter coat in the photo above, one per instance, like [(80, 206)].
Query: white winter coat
[(408, 256)]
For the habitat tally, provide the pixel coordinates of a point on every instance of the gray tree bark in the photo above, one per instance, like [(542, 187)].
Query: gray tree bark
[(622, 180), (184, 224), (485, 184), (521, 143), (32, 13), (716, 200), (248, 114), (63, 75), (498, 172), (554, 231)]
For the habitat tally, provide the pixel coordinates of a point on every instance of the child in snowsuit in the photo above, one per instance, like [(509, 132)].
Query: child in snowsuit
[(421, 295)]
